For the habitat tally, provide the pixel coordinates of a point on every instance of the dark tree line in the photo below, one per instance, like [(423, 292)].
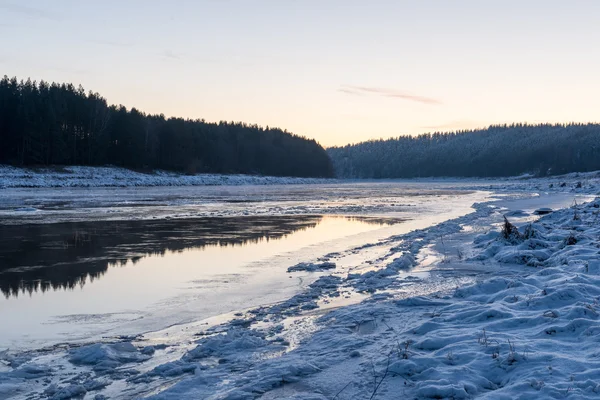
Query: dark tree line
[(500, 150), (60, 124)]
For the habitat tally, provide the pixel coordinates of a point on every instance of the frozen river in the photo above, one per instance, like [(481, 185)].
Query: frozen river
[(84, 264), (186, 292)]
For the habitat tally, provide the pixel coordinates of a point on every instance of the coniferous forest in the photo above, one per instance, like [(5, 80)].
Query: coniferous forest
[(60, 124), (500, 150)]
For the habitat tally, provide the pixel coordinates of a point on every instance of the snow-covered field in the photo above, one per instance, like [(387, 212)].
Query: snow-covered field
[(81, 176), (455, 310)]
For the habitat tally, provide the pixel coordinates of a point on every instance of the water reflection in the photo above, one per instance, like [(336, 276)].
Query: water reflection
[(380, 221), (40, 257)]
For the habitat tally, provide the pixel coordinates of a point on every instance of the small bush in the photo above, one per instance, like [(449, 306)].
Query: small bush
[(510, 232), (571, 240)]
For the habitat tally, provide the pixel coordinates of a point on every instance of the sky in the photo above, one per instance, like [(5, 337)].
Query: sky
[(338, 71)]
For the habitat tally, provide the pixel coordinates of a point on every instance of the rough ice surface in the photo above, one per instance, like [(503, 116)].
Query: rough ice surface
[(311, 267), (493, 316), (106, 357)]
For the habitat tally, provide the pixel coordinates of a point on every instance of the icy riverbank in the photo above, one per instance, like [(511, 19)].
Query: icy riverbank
[(110, 176), (526, 326), (452, 311), (77, 176)]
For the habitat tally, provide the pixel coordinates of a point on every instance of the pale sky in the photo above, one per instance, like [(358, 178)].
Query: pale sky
[(339, 71)]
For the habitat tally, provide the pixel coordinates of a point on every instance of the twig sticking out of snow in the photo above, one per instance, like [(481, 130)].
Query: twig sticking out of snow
[(387, 369)]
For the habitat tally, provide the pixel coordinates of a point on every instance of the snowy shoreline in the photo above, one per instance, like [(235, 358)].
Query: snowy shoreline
[(81, 176), (525, 327), (111, 176), (488, 317)]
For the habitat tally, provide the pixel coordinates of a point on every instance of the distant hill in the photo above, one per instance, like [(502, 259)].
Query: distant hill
[(500, 150), (59, 124)]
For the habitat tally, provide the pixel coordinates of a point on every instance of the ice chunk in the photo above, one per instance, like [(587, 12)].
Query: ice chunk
[(311, 267), (105, 357), (26, 209), (69, 392)]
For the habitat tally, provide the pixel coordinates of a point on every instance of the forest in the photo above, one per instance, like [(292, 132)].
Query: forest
[(45, 123), (59, 124), (499, 150)]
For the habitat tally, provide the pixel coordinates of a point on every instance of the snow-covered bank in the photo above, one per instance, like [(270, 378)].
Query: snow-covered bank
[(77, 176), (575, 182), (82, 176)]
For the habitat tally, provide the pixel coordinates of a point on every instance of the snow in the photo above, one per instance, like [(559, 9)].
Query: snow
[(111, 176), (65, 393), (81, 176), (528, 333), (106, 357), (311, 267), (458, 310)]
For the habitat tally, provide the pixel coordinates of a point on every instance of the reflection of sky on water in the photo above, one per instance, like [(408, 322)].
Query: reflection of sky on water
[(96, 275), (69, 255), (142, 272), (65, 256)]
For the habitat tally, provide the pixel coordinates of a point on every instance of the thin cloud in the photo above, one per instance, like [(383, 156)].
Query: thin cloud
[(29, 11), (392, 93), (350, 91), (68, 70), (169, 54)]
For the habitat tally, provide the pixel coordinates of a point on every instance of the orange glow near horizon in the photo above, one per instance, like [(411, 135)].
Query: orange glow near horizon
[(339, 72)]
